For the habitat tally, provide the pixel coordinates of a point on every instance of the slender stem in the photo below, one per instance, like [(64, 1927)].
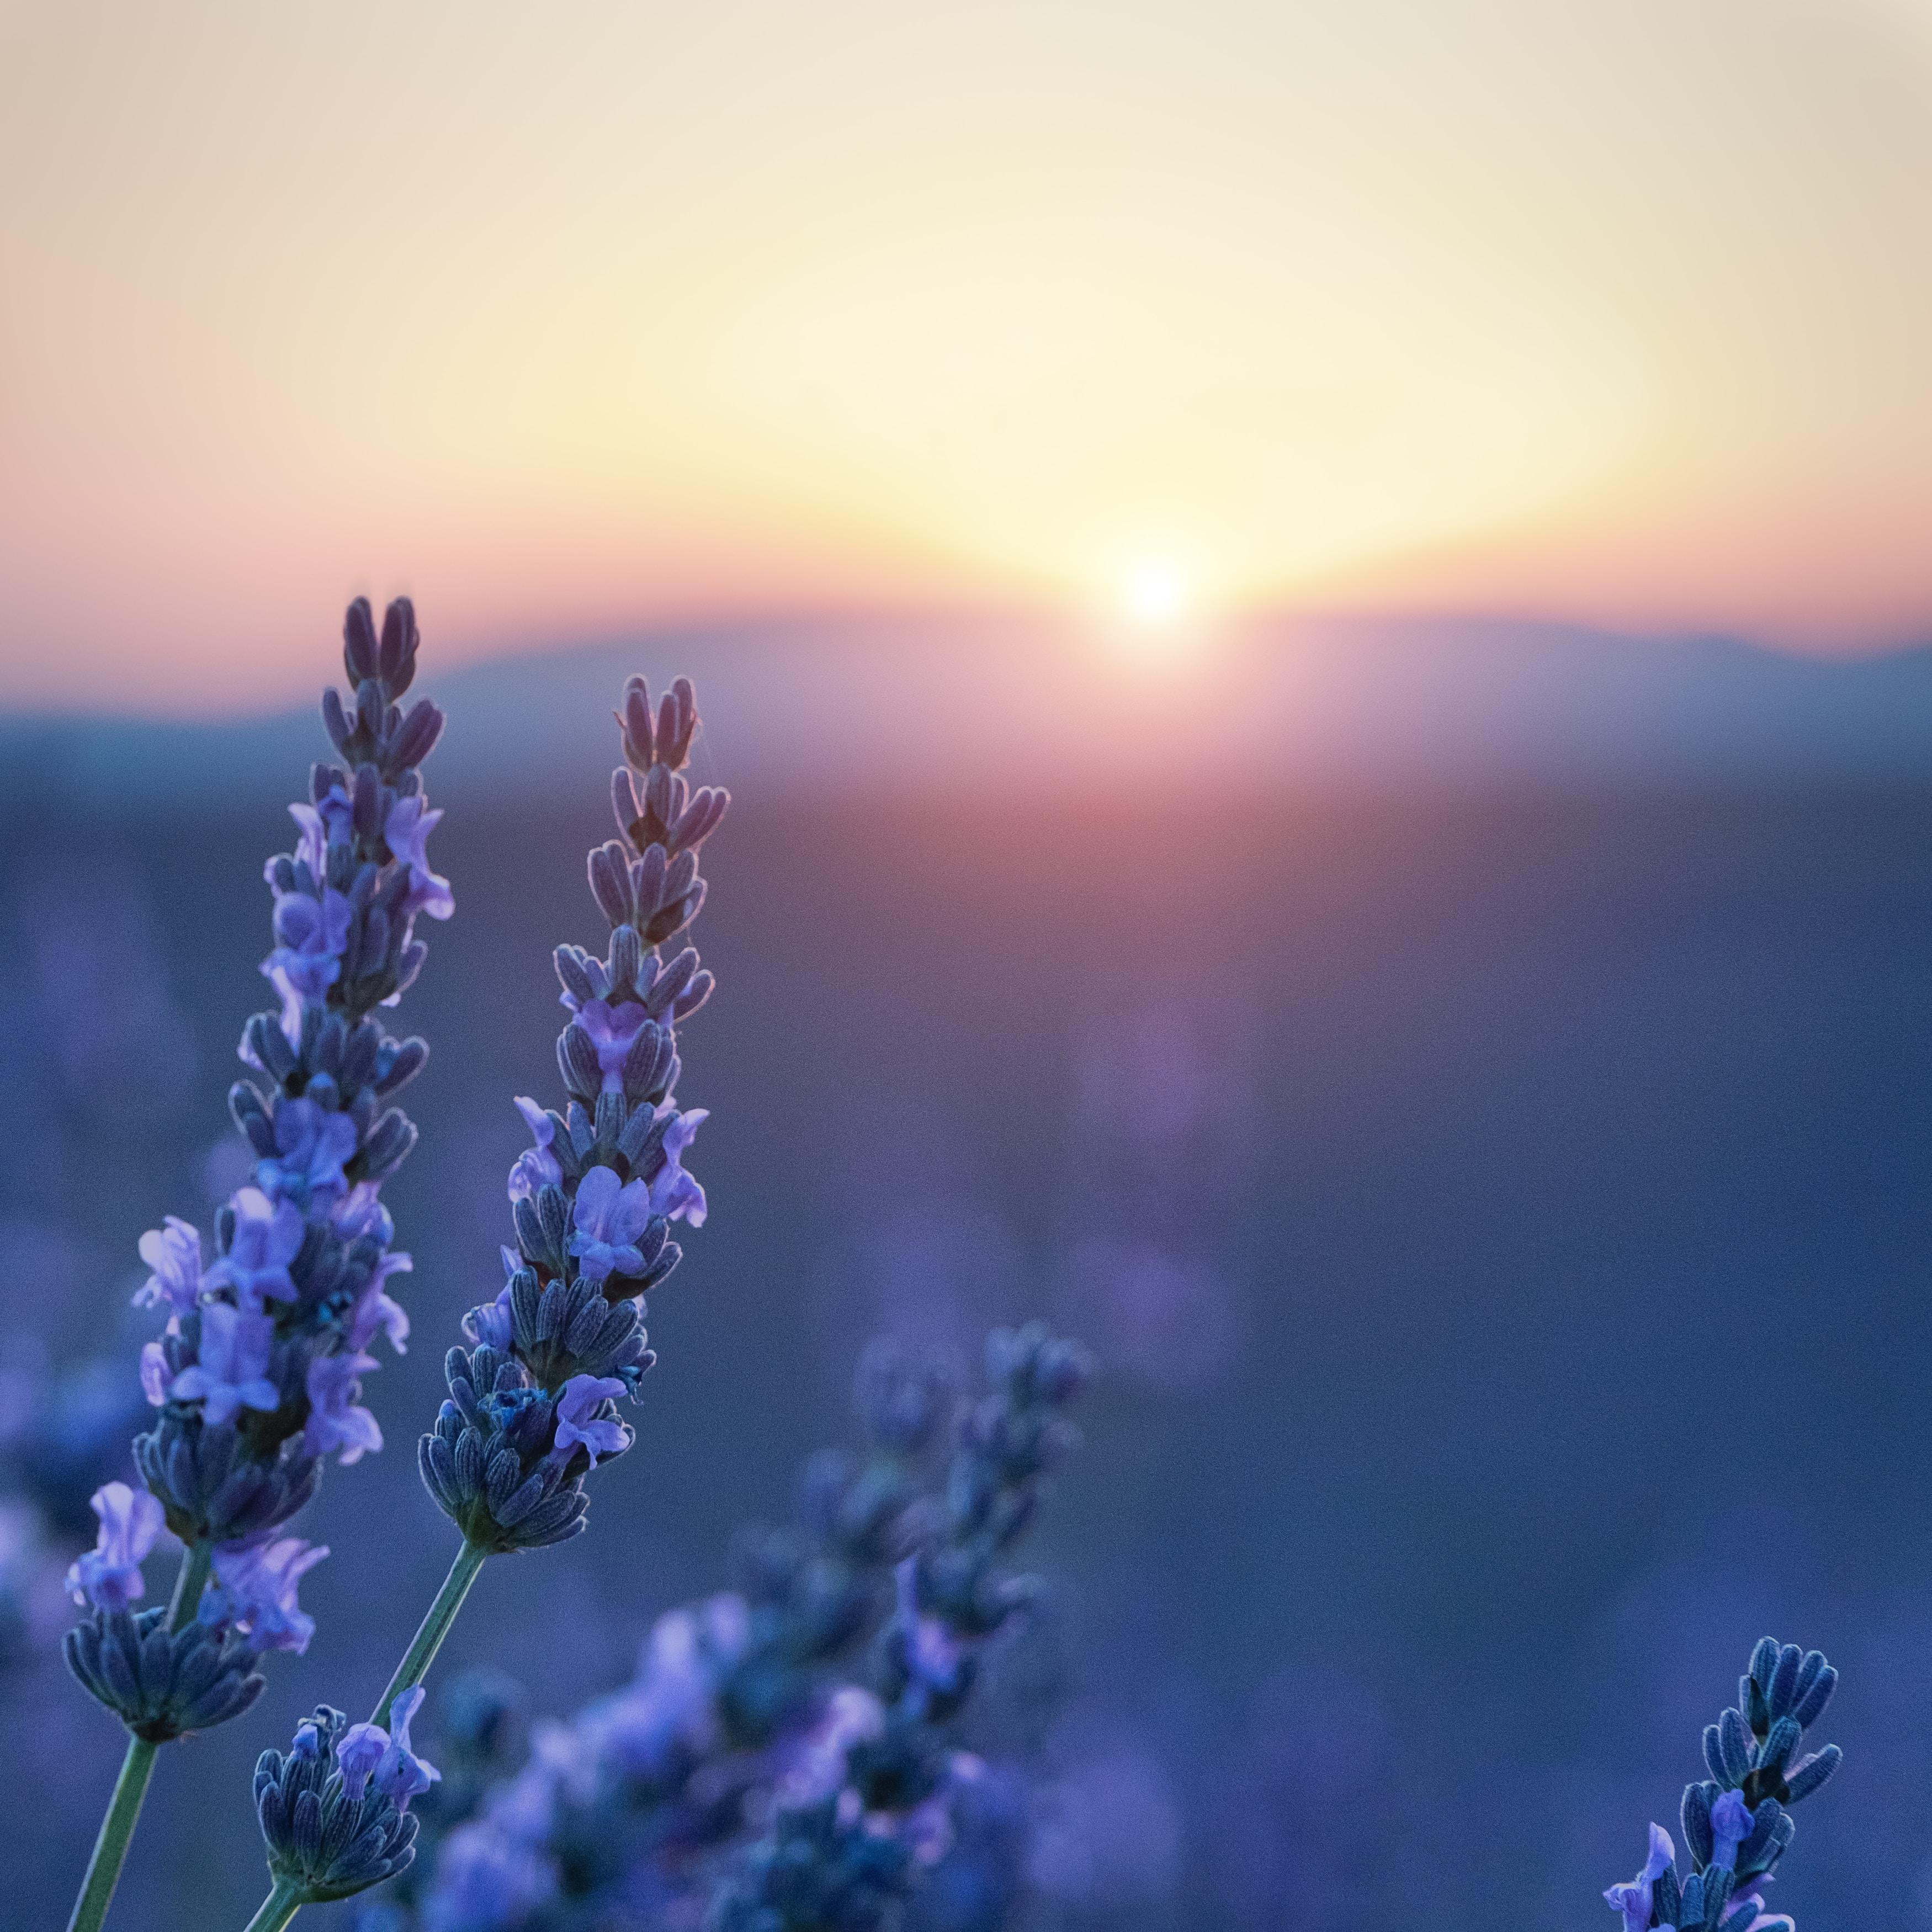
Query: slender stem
[(189, 1580), (433, 1628), (277, 1909), (123, 1808), (285, 1900)]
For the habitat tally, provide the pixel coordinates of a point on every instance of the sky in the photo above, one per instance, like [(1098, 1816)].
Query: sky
[(577, 320)]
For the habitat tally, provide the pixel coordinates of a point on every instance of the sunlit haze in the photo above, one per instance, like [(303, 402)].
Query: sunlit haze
[(577, 321)]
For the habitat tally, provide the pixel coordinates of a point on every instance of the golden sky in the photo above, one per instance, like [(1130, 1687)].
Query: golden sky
[(580, 318)]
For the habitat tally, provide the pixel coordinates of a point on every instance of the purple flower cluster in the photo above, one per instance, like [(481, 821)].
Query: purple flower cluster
[(257, 1374), (784, 1756), (533, 1402), (1736, 1826)]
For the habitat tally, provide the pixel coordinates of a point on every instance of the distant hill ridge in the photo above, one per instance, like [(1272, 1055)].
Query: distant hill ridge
[(968, 703)]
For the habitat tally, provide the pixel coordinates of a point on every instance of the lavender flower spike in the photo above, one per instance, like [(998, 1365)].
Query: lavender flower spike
[(108, 1576)]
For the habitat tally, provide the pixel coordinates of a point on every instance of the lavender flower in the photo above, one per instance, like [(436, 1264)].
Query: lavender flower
[(609, 1215), (535, 1167), (1634, 1899), (231, 1372), (254, 1593), (334, 1422), (173, 1252), (593, 1199), (109, 1576), (256, 1375), (310, 1148), (579, 1422), (367, 1754), (1735, 1825), (267, 1236)]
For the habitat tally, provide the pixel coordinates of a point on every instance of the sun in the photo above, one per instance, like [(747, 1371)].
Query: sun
[(1155, 594)]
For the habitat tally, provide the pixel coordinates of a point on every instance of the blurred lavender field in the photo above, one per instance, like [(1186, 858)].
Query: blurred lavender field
[(1499, 1210)]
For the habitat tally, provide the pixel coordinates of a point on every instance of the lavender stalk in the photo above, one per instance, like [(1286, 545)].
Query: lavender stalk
[(532, 1403), (1735, 1826), (257, 1373)]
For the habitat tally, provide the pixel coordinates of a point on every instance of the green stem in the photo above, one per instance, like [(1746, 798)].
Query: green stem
[(123, 1808), (277, 1909), (285, 1900), (433, 1628)]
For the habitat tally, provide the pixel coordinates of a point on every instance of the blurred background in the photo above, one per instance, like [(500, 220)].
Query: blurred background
[(1319, 621)]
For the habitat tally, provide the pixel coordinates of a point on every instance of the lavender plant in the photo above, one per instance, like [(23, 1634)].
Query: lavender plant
[(532, 1409), (789, 1753), (1735, 1826), (256, 1375)]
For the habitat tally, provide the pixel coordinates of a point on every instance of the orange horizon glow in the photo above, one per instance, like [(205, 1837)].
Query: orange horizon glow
[(578, 328)]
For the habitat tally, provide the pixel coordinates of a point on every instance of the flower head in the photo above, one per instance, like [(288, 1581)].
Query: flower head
[(253, 1589), (108, 1576), (577, 1422), (267, 1237), (173, 1252), (609, 1215), (535, 1167), (230, 1370), (1633, 1900), (406, 831), (334, 1422)]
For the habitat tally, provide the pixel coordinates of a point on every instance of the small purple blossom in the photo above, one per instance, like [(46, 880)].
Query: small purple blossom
[(172, 1252), (1633, 1899), (406, 831), (267, 1237), (612, 1029), (368, 1754), (332, 821), (535, 1167), (489, 1326), (108, 1576), (310, 936), (230, 1371), (674, 1194), (254, 1590), (1730, 1826), (311, 1144), (154, 1372), (374, 1308), (334, 1422), (576, 1422), (360, 1212), (610, 1216)]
